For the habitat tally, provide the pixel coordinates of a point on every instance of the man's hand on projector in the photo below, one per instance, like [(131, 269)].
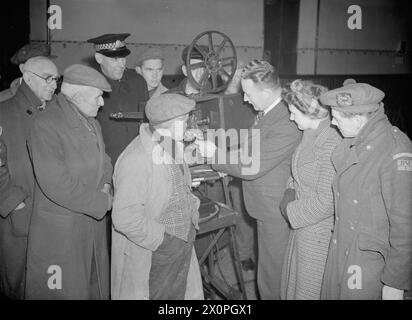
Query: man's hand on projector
[(206, 148)]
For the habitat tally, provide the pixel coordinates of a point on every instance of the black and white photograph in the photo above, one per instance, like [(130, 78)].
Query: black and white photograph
[(224, 151)]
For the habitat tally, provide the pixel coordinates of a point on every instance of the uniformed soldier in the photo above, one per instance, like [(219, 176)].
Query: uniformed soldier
[(128, 90), (26, 52), (17, 181), (370, 256)]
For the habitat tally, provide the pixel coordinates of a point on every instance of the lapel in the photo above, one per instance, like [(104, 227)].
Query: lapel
[(72, 118), (270, 119)]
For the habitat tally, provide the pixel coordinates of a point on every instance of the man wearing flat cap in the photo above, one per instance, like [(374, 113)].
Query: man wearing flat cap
[(370, 255), (67, 246), (149, 65), (26, 52), (40, 76), (155, 215), (128, 91)]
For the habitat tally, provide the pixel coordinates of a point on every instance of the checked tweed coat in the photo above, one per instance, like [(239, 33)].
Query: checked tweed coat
[(311, 214)]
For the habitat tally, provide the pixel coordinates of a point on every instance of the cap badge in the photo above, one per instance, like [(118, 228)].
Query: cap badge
[(344, 99)]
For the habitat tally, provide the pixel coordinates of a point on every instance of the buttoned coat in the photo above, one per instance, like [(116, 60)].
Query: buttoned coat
[(68, 235), (16, 185), (311, 214), (125, 96), (142, 190), (372, 240)]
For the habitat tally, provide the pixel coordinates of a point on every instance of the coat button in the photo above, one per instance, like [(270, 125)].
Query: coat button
[(368, 147), (334, 241), (337, 193), (337, 218), (352, 227), (346, 252), (355, 201)]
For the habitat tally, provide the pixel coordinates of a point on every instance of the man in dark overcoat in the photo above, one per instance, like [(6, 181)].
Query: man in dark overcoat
[(16, 199)]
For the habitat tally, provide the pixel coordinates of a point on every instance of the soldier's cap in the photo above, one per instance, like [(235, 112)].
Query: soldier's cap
[(151, 53), (85, 76), (195, 54), (30, 50), (354, 98), (111, 45), (167, 107)]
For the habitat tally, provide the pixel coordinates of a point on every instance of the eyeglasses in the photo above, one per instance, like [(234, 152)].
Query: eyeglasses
[(48, 79)]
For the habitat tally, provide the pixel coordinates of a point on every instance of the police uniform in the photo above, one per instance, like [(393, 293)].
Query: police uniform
[(127, 94), (371, 244)]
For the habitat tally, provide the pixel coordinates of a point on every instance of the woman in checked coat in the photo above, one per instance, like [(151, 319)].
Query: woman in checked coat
[(308, 202)]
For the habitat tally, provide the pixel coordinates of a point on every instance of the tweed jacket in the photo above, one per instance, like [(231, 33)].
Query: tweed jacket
[(311, 214), (142, 190)]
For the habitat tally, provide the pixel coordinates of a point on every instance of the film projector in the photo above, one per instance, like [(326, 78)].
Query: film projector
[(216, 108)]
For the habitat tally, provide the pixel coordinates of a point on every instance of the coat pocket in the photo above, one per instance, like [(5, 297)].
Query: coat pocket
[(20, 220), (369, 243)]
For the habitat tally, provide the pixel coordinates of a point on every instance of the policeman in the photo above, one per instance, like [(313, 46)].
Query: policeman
[(128, 90), (150, 66), (26, 52), (370, 256)]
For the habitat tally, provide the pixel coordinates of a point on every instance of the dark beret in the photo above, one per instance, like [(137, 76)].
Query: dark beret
[(354, 98), (168, 106), (195, 54), (30, 50), (85, 76), (151, 53)]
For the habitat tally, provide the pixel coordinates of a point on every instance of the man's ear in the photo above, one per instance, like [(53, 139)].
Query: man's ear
[(184, 70), (98, 57), (360, 121), (26, 77), (21, 68), (139, 70)]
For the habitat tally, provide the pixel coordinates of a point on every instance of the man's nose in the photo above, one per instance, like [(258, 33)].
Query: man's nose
[(53, 84), (122, 62)]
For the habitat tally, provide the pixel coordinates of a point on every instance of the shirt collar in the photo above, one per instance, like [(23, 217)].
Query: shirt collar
[(274, 104)]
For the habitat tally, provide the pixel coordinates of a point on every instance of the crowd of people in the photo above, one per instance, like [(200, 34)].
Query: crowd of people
[(96, 208)]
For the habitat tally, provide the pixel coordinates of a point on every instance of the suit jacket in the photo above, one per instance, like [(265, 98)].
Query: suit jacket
[(263, 189), (68, 226), (16, 186)]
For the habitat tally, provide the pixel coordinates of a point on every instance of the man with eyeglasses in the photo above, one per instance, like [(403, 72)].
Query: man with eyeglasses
[(16, 200), (26, 52)]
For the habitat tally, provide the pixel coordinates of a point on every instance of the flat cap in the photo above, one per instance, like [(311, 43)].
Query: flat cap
[(151, 53), (30, 50), (111, 45), (354, 98), (85, 76), (168, 106), (195, 54)]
